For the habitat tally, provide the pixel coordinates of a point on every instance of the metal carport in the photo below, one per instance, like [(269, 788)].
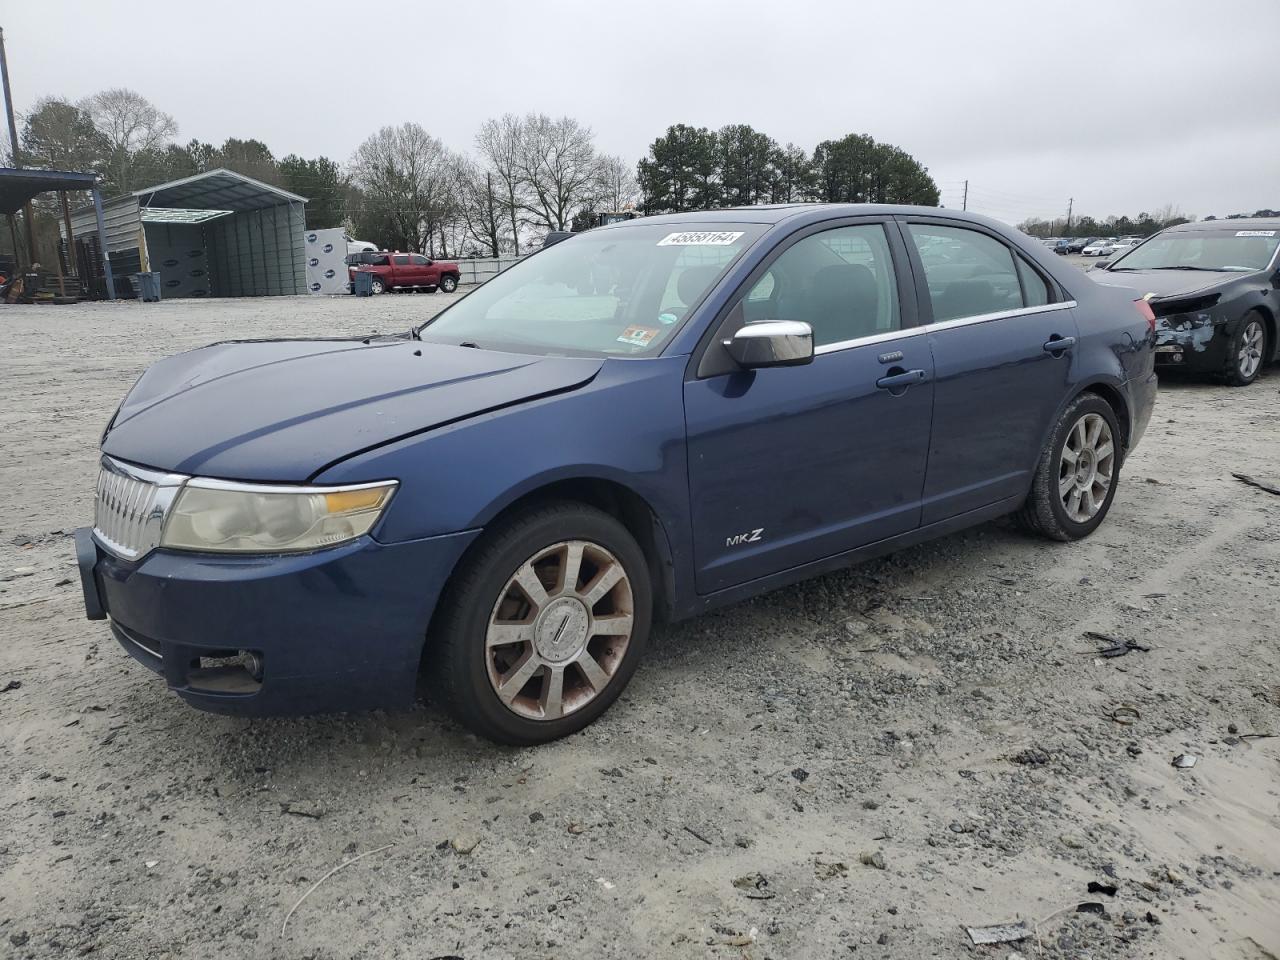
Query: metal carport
[(217, 234), (19, 186)]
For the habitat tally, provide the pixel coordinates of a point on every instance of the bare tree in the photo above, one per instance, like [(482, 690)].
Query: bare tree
[(406, 177), (482, 207), (559, 168), (500, 143), (132, 125), (616, 186)]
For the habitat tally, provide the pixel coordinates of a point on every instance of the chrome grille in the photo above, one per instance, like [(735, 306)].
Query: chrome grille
[(131, 506)]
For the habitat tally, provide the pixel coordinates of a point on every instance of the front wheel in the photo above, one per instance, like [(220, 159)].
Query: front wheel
[(1247, 351), (543, 625), (1076, 477), (378, 286), (448, 284)]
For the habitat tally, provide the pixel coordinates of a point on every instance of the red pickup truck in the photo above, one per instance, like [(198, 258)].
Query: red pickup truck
[(404, 271)]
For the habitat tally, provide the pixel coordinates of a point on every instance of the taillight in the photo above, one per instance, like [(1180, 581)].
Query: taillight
[(1144, 308)]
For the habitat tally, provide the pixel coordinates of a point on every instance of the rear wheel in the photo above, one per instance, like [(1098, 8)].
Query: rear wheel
[(1247, 351), (1076, 477), (544, 625), (448, 284)]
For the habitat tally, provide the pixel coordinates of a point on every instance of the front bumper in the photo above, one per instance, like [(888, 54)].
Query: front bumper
[(334, 630), (1202, 349)]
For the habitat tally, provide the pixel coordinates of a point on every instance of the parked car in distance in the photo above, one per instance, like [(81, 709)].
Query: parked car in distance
[(1061, 247), (1099, 248), (406, 271), (1079, 243), (1212, 286), (358, 246), (654, 420)]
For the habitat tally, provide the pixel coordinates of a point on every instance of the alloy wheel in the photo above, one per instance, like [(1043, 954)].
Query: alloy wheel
[(559, 630), (1251, 345), (1087, 467)]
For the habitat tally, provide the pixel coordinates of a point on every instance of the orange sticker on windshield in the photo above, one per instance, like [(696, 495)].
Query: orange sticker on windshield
[(638, 336)]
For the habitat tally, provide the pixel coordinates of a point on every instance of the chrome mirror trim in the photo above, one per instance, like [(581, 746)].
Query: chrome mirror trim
[(771, 343)]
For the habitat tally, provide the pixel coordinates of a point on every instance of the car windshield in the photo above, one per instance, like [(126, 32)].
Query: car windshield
[(1222, 250), (621, 291)]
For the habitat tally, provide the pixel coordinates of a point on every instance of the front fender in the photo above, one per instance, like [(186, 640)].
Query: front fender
[(626, 426)]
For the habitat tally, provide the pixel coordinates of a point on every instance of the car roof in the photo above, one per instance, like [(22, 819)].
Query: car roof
[(1239, 223), (774, 213)]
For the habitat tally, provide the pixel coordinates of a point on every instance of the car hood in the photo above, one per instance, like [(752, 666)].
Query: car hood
[(282, 410), (1162, 283)]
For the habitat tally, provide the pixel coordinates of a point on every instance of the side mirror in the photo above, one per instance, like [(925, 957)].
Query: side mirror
[(771, 343)]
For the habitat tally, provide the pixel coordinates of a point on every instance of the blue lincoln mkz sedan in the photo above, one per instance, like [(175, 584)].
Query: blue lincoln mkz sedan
[(647, 420)]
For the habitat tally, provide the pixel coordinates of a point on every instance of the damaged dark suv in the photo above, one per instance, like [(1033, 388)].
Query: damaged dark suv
[(1215, 289)]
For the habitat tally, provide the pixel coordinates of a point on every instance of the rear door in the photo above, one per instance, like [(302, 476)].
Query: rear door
[(794, 464), (1003, 340)]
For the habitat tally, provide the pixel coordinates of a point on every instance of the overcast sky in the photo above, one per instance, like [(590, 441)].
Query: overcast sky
[(1125, 105)]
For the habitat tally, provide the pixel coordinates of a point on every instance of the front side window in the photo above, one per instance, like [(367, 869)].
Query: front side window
[(616, 291), (840, 282), (968, 273)]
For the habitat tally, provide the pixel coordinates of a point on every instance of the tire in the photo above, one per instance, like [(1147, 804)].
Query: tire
[(554, 633), (1057, 506), (1247, 352), (377, 286), (448, 284)]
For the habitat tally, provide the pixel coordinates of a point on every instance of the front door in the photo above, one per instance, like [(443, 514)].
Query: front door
[(794, 464), (1002, 337)]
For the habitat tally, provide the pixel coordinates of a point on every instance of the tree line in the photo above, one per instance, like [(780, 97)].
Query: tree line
[(521, 177), (1143, 225), (693, 168)]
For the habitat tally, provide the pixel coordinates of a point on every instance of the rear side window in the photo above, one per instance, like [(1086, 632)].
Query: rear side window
[(968, 273), (840, 282), (418, 260), (401, 261), (377, 259)]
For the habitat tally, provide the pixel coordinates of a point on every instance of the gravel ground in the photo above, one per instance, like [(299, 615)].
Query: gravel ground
[(858, 765)]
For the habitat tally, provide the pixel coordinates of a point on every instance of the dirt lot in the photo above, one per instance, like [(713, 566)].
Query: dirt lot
[(855, 766)]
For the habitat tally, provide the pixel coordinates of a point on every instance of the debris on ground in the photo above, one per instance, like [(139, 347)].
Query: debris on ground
[(755, 885), (829, 871), (1108, 888), (1260, 484), (11, 685), (1184, 761), (873, 859), (1091, 906), (464, 843), (303, 808), (1124, 713), (1114, 647), (999, 933)]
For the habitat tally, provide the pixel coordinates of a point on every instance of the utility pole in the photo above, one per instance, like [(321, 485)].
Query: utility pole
[(1070, 202), (13, 148), (964, 204)]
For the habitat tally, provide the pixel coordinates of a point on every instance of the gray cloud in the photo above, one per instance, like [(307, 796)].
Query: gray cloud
[(1124, 105)]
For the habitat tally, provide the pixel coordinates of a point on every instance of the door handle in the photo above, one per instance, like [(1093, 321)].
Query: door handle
[(1057, 345), (901, 380)]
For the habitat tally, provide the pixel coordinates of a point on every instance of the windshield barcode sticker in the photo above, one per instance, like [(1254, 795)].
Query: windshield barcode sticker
[(700, 239), (1255, 233)]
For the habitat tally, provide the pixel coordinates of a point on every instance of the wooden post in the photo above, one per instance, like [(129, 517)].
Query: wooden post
[(72, 264)]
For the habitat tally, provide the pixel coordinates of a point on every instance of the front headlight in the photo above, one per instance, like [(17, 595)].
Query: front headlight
[(215, 515)]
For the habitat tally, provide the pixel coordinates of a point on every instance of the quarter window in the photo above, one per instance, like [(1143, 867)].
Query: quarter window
[(1035, 290), (968, 273), (840, 282)]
